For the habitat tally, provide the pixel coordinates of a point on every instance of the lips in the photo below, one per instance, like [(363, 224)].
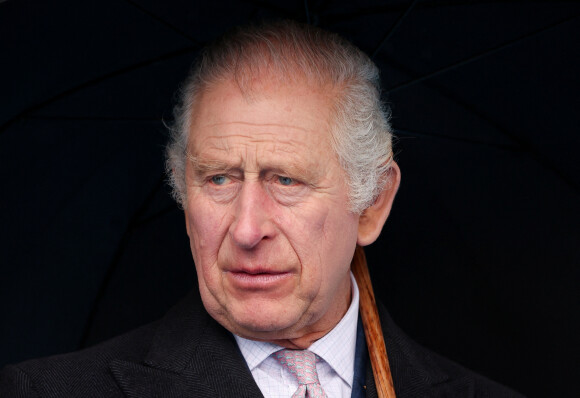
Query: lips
[(257, 278)]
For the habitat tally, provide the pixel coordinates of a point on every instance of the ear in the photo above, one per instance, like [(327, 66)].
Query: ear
[(373, 218)]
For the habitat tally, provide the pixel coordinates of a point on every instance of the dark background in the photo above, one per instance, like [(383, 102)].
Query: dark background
[(478, 261)]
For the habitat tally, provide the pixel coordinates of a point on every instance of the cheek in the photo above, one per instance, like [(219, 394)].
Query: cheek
[(303, 225), (206, 234), (206, 227), (319, 232), (333, 238), (326, 217)]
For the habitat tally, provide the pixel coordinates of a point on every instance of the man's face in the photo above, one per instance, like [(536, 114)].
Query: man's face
[(267, 212)]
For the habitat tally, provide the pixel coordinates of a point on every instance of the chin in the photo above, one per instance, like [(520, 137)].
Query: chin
[(257, 319), (261, 325)]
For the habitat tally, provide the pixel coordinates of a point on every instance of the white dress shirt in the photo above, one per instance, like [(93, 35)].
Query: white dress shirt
[(335, 369)]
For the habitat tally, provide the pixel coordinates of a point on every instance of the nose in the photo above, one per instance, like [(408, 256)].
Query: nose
[(252, 222)]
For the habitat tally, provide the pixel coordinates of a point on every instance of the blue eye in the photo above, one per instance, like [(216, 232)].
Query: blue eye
[(219, 179), (285, 180)]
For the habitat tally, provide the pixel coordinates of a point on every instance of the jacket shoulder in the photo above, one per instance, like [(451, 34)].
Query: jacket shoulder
[(420, 372), (82, 373), (474, 384)]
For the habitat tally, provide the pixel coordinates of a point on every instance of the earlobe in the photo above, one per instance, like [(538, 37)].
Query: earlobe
[(373, 218)]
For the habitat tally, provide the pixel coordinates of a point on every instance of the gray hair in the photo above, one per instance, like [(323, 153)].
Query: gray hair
[(292, 52)]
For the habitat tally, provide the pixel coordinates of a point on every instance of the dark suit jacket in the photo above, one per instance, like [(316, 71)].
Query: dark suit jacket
[(188, 354)]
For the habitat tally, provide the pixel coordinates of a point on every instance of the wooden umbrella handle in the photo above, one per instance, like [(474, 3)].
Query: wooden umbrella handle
[(372, 326)]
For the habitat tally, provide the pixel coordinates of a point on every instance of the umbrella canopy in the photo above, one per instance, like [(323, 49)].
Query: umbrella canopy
[(478, 259)]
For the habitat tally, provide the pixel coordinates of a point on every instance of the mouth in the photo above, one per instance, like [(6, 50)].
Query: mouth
[(257, 279)]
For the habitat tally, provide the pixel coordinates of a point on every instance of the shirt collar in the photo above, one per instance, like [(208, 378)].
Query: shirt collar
[(337, 347)]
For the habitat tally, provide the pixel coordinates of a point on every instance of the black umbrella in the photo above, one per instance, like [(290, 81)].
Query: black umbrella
[(477, 261)]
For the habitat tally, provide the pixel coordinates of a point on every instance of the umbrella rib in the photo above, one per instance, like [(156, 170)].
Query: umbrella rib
[(160, 213), (164, 22), (92, 118), (522, 144), (480, 55), (413, 134), (116, 259), (394, 28), (94, 81)]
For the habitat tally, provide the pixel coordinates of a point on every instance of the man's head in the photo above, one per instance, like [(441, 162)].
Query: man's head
[(281, 157)]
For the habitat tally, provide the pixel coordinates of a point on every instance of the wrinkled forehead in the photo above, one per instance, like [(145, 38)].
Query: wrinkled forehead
[(267, 100), (283, 128)]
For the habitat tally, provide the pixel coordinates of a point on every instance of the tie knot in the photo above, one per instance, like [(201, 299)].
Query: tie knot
[(302, 363)]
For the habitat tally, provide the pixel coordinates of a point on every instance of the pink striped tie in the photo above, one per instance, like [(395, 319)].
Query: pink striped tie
[(303, 365)]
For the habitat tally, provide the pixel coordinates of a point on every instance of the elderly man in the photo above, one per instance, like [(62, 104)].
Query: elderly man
[(281, 158)]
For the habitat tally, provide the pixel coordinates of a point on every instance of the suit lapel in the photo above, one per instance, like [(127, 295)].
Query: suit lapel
[(191, 355), (221, 365), (142, 381)]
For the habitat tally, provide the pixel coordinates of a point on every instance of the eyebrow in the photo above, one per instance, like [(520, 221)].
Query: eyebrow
[(206, 166), (203, 167)]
